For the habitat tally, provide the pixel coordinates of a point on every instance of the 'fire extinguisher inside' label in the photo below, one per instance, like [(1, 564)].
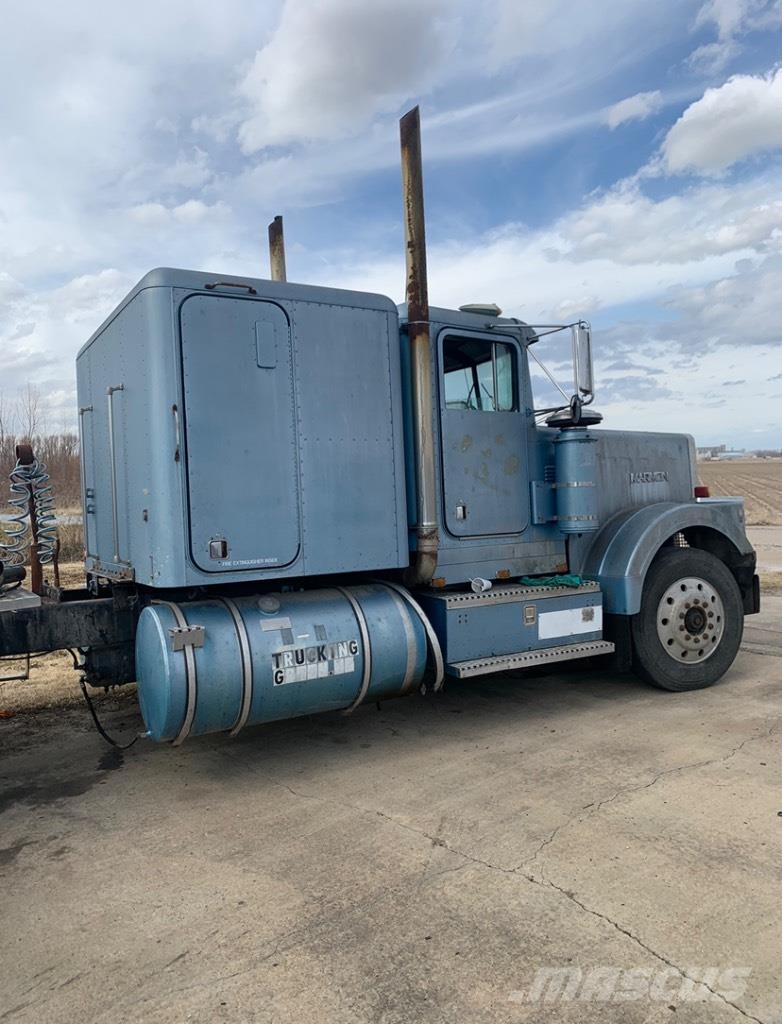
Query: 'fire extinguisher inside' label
[(300, 664)]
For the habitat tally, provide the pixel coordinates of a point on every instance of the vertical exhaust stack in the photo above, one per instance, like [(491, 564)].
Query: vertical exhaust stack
[(277, 250), (424, 561)]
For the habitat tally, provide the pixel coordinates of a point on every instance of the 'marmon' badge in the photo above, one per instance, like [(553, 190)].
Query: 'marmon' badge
[(649, 476)]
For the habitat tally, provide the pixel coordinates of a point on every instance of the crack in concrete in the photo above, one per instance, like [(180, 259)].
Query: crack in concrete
[(547, 882), (593, 809), (542, 881)]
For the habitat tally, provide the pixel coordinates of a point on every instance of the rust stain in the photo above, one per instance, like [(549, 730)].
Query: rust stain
[(466, 443), (499, 439), (511, 465)]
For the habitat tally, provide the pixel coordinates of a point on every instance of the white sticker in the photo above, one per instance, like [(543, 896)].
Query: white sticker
[(302, 664), (570, 622)]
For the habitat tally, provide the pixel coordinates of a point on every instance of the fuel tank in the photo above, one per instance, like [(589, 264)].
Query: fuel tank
[(220, 663)]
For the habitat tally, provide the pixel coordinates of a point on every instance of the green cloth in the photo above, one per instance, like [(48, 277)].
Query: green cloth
[(567, 580)]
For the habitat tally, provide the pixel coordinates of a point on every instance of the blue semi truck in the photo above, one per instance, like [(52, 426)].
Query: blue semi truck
[(297, 499)]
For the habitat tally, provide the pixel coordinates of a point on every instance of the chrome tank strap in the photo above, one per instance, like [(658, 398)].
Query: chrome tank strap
[(363, 629), (247, 664), (407, 623), (434, 643), (190, 674)]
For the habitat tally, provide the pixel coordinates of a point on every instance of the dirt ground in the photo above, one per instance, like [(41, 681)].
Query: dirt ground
[(757, 481)]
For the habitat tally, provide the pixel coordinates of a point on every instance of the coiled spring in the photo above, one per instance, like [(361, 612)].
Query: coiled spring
[(30, 480)]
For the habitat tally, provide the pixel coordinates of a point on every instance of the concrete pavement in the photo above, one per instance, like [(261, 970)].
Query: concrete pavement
[(416, 863), (767, 541)]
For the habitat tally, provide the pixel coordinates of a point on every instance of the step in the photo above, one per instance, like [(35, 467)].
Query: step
[(506, 593), (528, 659)]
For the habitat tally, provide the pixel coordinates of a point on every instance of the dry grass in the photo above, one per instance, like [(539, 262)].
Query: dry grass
[(71, 537), (71, 542), (757, 481), (52, 683)]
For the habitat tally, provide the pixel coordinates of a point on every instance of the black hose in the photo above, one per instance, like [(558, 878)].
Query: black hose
[(99, 727)]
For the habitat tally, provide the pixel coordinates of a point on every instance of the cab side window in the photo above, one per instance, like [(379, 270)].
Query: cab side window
[(479, 375)]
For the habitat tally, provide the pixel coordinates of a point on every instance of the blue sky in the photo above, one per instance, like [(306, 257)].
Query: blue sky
[(620, 162)]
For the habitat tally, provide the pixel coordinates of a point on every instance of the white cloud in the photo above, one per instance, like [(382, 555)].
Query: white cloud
[(193, 211), (732, 19), (728, 16), (737, 310), (548, 28), (41, 352), (629, 228), (739, 119), (85, 296), (332, 64), (620, 249), (150, 214), (21, 331), (634, 108), (218, 127), (10, 288), (189, 170), (122, 151)]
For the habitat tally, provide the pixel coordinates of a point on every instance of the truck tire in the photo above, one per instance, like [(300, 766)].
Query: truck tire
[(691, 621)]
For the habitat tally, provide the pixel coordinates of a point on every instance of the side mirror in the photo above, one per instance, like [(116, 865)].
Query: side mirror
[(583, 378)]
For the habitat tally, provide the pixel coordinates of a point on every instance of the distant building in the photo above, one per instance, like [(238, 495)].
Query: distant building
[(710, 451), (721, 453), (728, 454)]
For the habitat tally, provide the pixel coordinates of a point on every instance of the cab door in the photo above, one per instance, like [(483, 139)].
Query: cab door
[(483, 435)]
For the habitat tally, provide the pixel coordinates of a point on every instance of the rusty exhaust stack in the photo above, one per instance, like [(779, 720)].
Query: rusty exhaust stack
[(424, 562), (277, 250)]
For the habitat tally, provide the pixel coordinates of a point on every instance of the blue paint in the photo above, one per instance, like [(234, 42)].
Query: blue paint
[(264, 437), (298, 466), (315, 631), (575, 483), (623, 551), (481, 628)]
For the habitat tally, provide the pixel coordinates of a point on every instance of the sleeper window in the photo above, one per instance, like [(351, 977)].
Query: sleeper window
[(479, 375)]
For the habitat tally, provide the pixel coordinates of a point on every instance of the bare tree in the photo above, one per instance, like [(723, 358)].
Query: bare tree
[(30, 413)]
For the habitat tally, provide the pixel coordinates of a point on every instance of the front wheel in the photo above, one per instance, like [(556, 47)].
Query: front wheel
[(689, 628)]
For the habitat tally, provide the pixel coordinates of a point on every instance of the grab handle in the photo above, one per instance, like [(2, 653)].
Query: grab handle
[(230, 284), (114, 512)]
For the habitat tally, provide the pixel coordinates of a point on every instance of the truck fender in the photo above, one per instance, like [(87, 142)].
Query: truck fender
[(623, 550)]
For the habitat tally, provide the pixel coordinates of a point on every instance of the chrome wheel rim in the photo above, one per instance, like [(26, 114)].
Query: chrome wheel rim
[(690, 620)]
